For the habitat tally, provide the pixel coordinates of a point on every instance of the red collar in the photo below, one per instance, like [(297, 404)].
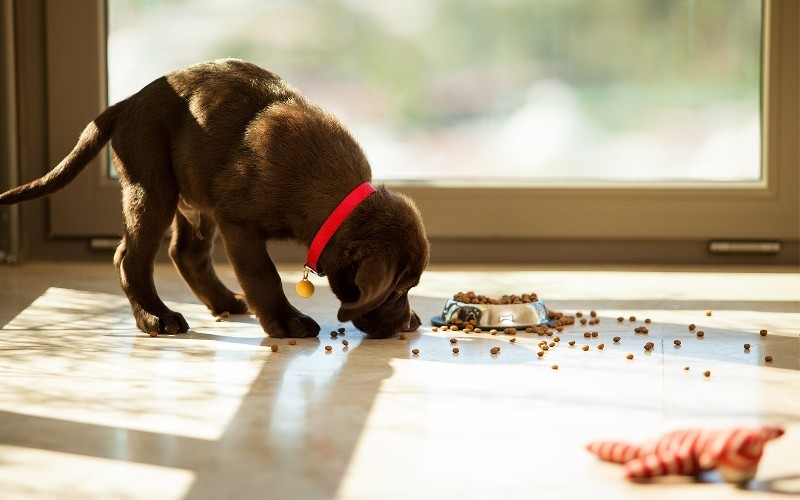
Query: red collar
[(333, 222)]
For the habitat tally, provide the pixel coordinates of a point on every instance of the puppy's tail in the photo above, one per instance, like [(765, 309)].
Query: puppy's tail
[(91, 141)]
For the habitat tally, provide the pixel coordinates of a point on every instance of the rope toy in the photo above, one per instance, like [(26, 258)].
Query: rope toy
[(735, 452)]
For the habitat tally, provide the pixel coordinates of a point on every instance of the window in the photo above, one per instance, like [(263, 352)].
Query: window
[(545, 138)]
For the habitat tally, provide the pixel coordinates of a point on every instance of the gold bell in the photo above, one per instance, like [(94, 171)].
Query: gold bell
[(304, 287)]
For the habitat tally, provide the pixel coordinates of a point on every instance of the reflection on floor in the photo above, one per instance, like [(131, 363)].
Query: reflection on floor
[(92, 408)]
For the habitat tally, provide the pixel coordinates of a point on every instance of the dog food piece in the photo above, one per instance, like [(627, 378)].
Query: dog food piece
[(686, 368), (560, 328), (345, 343), (478, 330), (218, 319), (552, 344), (294, 342), (494, 350), (540, 353), (649, 346), (414, 351), (587, 334), (334, 334), (620, 319), (571, 342), (629, 356), (435, 328), (155, 334), (454, 328), (647, 320), (708, 313), (747, 346), (593, 314), (616, 339), (767, 358), (274, 347), (512, 339), (632, 318), (601, 346), (676, 342), (700, 333), (544, 347), (455, 350), (692, 326), (707, 373), (578, 314), (583, 321), (493, 332), (328, 348), (453, 341), (556, 339), (595, 334), (585, 348), (225, 314), (763, 333), (403, 336), (554, 367), (340, 329)]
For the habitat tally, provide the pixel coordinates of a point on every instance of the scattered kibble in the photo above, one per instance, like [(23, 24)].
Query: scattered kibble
[(649, 346), (571, 342), (578, 314), (587, 334), (708, 313), (763, 333), (328, 348), (435, 328), (747, 346), (647, 320), (454, 328), (294, 342), (629, 356), (700, 333), (583, 321), (601, 346), (554, 367), (707, 373), (225, 314), (274, 347), (556, 339), (218, 319), (513, 339), (544, 347), (345, 343), (414, 351), (453, 341), (334, 334), (593, 314), (455, 350), (617, 339), (676, 342), (478, 330), (595, 334), (494, 350), (686, 368), (632, 318), (767, 358), (153, 334), (493, 332), (620, 319), (585, 348), (692, 326), (540, 353), (552, 344), (340, 329), (403, 336)]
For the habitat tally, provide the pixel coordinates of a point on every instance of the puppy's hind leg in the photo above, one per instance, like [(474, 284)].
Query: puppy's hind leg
[(190, 250), (149, 205)]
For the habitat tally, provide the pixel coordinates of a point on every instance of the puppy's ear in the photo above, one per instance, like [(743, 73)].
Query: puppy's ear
[(375, 279)]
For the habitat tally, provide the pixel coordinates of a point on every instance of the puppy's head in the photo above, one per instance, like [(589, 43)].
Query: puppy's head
[(381, 255)]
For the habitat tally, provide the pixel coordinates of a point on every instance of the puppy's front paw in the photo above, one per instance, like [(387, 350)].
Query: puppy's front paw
[(292, 324)]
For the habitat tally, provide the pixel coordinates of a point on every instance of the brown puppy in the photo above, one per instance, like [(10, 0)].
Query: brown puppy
[(228, 145)]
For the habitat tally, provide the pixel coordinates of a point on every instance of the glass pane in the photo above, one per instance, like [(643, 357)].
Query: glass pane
[(503, 91)]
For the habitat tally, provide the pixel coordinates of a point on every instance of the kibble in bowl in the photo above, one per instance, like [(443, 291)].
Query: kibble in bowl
[(502, 313)]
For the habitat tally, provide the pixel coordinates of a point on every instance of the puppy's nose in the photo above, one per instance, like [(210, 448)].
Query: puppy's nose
[(413, 322)]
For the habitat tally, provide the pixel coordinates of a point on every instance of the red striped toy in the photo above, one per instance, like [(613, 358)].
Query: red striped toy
[(735, 452)]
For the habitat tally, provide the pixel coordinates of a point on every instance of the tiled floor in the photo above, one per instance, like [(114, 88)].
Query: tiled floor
[(92, 408)]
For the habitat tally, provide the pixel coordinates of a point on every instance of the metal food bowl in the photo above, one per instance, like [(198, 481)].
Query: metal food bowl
[(494, 315)]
